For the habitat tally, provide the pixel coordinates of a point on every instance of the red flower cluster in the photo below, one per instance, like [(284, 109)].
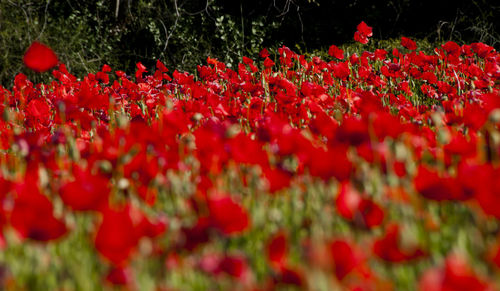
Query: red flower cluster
[(337, 164)]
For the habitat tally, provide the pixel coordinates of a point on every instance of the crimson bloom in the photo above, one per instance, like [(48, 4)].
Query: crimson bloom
[(432, 186), (39, 57), (233, 265), (363, 33), (228, 216), (352, 206), (455, 275), (388, 247), (346, 257), (116, 238), (119, 276), (268, 62), (86, 192), (120, 230), (331, 163), (336, 52), (408, 43), (264, 53), (32, 216), (277, 178), (277, 249)]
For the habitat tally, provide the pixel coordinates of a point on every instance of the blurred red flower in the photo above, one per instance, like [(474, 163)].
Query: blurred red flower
[(39, 57), (32, 215), (227, 216), (388, 247), (86, 192)]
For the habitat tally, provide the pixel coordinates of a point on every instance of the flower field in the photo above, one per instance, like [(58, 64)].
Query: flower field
[(376, 170)]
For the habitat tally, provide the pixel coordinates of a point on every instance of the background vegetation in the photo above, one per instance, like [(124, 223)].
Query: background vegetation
[(182, 33)]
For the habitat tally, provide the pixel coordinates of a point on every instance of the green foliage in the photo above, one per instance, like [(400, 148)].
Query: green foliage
[(86, 35), (79, 36)]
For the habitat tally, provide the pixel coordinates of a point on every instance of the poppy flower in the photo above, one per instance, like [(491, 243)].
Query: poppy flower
[(227, 216), (264, 53), (364, 29), (363, 33), (268, 63), (277, 249), (437, 187), (197, 234), (336, 52), (290, 276), (408, 43), (388, 247), (38, 114), (161, 67), (141, 69), (488, 195), (32, 215), (452, 48), (352, 206), (86, 192), (119, 276), (353, 131), (346, 257), (456, 274), (39, 57), (116, 239), (234, 265), (277, 178)]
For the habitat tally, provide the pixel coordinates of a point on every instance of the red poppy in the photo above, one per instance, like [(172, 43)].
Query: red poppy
[(197, 234), (264, 53), (268, 62), (116, 238), (431, 185), (332, 163), (346, 257), (352, 206), (119, 276), (86, 192), (161, 67), (455, 275), (336, 52), (277, 178), (363, 33), (32, 215), (290, 276), (277, 249), (487, 194), (38, 114), (141, 69), (39, 57), (388, 247), (235, 266), (227, 216), (364, 29), (408, 43)]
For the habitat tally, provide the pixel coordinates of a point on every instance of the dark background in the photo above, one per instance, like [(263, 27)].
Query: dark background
[(182, 33)]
